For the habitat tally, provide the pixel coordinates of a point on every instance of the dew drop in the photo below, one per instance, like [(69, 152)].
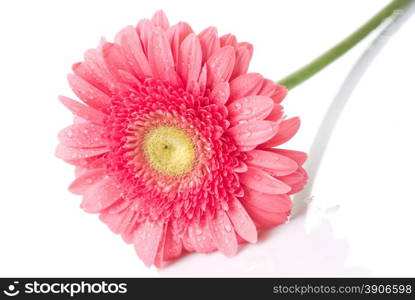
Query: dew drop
[(247, 111), (228, 228), (257, 177), (245, 133)]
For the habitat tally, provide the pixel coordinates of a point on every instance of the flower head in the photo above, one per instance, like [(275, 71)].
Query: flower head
[(174, 144)]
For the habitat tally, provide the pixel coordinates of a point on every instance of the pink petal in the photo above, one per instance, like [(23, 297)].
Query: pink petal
[(101, 195), (220, 93), (220, 66), (129, 79), (161, 58), (129, 231), (81, 165), (91, 75), (242, 168), (268, 202), (266, 218), (88, 93), (74, 154), (119, 206), (97, 162), (228, 40), (202, 80), (268, 88), (147, 238), (160, 19), (247, 148), (190, 59), (176, 34), (298, 156), (94, 71), (253, 133), (279, 164), (134, 52), (83, 111), (296, 180), (77, 120), (250, 108), (241, 221), (172, 244), (83, 182), (145, 30), (187, 243), (276, 114), (79, 168), (193, 88), (209, 41), (159, 261), (114, 59), (287, 130), (200, 237), (244, 53), (261, 181), (83, 135), (223, 233), (245, 85), (118, 223), (279, 93)]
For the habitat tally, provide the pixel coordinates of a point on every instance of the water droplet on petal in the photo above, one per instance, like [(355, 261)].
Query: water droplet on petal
[(257, 177), (247, 111), (237, 106), (245, 133)]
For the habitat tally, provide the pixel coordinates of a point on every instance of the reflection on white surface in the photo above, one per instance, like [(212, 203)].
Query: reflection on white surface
[(294, 249)]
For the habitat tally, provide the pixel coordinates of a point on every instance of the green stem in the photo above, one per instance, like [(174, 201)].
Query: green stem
[(338, 50)]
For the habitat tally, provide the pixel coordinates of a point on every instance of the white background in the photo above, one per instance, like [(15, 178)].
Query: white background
[(364, 203)]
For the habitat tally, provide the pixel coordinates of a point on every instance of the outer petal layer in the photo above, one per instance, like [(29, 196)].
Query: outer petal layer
[(261, 181), (253, 133), (147, 239), (101, 195)]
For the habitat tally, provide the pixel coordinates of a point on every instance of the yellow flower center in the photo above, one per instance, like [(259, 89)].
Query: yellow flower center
[(169, 150)]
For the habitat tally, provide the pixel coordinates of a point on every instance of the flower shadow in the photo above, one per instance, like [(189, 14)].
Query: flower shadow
[(289, 250)]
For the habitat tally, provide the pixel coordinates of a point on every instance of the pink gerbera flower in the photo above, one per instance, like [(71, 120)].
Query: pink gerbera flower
[(174, 144)]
